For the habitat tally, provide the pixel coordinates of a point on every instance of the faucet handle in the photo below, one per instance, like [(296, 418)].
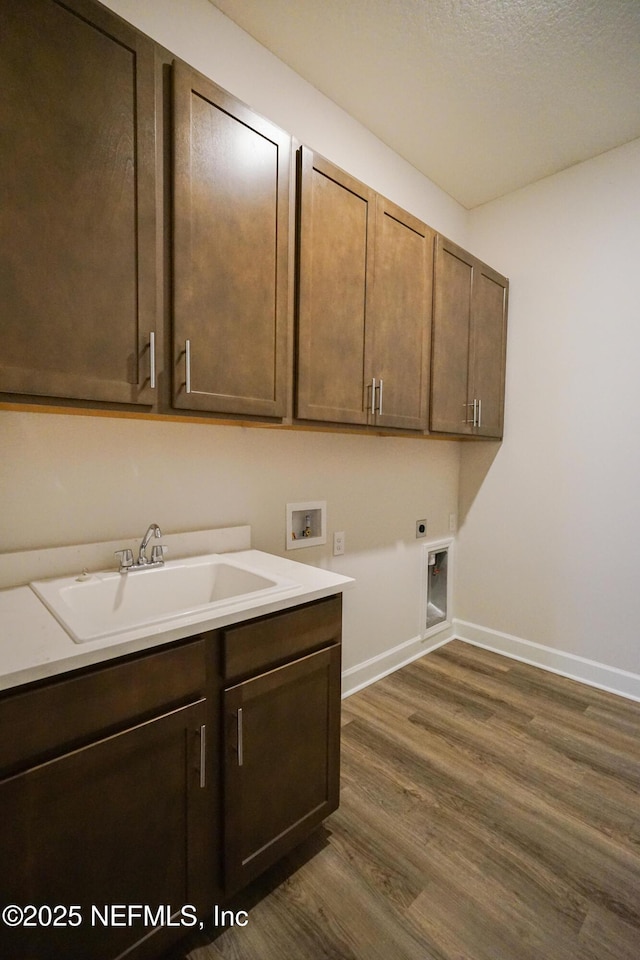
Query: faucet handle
[(126, 559), (158, 552)]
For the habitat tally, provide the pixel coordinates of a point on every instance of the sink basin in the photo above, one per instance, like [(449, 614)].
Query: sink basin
[(108, 603)]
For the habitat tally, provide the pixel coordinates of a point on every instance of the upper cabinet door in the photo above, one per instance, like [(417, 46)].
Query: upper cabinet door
[(488, 349), (77, 217), (451, 339), (231, 223), (402, 304), (469, 344), (335, 267)]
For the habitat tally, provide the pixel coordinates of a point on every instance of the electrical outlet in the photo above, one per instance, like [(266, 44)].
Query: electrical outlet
[(421, 529), (338, 543)]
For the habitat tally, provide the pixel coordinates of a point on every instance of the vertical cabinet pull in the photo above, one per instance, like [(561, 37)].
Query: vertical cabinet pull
[(152, 360), (376, 389), (187, 366), (203, 755), (476, 420), (240, 747)]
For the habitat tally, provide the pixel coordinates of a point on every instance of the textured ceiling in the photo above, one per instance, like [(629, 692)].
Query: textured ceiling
[(482, 96)]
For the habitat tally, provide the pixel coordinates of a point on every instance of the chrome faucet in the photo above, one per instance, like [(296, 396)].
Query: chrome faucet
[(157, 552), (153, 531)]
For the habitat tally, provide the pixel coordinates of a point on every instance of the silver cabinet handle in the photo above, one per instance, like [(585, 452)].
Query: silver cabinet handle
[(466, 413), (203, 755), (240, 746), (479, 423), (152, 360), (187, 366), (376, 389)]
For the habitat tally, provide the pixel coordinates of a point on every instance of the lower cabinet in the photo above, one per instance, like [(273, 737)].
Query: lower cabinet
[(101, 831), (282, 735), (281, 767), (110, 825), (124, 816)]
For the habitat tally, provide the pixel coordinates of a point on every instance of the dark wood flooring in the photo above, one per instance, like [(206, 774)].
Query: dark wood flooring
[(489, 811)]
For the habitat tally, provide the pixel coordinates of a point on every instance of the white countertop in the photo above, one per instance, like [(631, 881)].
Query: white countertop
[(34, 645)]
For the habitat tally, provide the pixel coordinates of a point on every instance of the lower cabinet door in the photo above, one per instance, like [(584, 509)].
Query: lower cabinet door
[(282, 763), (100, 848)]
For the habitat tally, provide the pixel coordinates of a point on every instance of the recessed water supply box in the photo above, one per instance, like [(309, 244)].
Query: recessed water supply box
[(437, 587), (306, 524)]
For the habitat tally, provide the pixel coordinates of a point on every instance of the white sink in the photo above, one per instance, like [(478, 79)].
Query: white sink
[(109, 603)]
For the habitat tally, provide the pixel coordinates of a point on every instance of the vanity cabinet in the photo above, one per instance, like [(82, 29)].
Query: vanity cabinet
[(77, 219), (105, 796), (167, 779), (281, 708), (230, 252), (469, 344), (364, 303)]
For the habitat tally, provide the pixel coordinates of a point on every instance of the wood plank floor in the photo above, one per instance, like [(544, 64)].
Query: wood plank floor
[(489, 811)]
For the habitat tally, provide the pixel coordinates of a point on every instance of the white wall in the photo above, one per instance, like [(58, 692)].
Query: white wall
[(200, 34), (75, 479), (67, 479), (549, 546)]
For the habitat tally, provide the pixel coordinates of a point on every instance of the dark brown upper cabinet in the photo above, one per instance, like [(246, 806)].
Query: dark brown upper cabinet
[(104, 137), (469, 344), (335, 266), (401, 311), (78, 211), (364, 303), (230, 252)]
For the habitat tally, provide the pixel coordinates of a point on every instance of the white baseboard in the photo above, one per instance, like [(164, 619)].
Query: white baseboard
[(612, 679), (360, 676)]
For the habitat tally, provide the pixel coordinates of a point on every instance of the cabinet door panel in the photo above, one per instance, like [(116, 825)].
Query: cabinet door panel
[(450, 345), (231, 178), (77, 218), (336, 217), (488, 349), (288, 780), (117, 822), (402, 301)]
